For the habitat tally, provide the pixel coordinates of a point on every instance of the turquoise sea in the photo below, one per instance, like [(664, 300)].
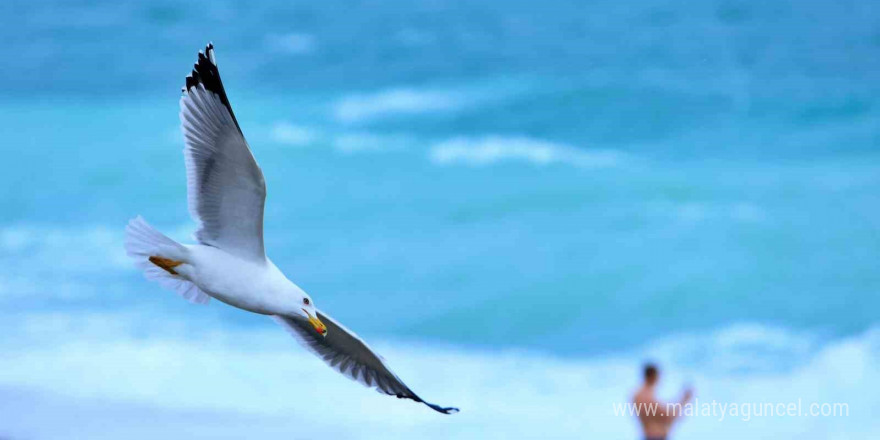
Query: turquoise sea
[(517, 203)]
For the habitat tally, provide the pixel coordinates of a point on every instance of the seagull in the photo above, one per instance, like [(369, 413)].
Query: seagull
[(226, 194)]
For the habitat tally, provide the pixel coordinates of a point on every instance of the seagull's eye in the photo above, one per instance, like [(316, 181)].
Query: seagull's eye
[(306, 301)]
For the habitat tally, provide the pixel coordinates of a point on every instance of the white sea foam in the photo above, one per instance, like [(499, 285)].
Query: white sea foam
[(491, 149), (360, 142), (399, 101), (76, 249), (347, 142), (259, 383), (691, 212), (412, 101), (292, 43), (53, 262), (290, 134)]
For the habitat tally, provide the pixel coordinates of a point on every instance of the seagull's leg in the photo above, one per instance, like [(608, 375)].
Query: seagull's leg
[(166, 264)]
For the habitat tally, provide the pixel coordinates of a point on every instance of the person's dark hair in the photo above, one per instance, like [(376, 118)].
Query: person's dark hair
[(650, 372)]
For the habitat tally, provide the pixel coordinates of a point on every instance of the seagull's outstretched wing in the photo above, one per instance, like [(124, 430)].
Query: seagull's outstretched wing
[(347, 353), (225, 187)]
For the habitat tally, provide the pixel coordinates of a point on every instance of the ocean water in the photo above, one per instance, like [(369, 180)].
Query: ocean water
[(516, 204)]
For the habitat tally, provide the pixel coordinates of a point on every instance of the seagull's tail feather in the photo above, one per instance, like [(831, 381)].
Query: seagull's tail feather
[(158, 255)]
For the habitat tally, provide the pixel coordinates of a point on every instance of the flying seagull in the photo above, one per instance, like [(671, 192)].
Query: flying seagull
[(226, 194)]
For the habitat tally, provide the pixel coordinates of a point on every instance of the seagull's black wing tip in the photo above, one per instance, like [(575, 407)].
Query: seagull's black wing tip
[(413, 396), (192, 80), (205, 72), (440, 409)]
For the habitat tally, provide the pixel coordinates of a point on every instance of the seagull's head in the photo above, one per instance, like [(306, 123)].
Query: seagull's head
[(308, 311)]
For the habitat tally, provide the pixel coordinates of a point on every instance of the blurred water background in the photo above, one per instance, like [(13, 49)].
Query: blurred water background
[(515, 202)]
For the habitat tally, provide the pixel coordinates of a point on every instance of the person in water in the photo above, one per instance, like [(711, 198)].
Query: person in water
[(656, 417)]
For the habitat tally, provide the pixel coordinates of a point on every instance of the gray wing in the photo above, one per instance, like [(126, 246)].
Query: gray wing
[(225, 187), (345, 352)]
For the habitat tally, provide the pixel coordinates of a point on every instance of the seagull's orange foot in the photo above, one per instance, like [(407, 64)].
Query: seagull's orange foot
[(166, 264)]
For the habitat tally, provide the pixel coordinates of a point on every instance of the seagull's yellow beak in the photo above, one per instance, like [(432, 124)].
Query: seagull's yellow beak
[(319, 326)]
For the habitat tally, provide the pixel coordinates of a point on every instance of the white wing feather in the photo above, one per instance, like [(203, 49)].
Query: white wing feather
[(225, 186)]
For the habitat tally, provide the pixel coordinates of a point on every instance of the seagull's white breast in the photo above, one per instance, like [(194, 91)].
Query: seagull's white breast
[(256, 286)]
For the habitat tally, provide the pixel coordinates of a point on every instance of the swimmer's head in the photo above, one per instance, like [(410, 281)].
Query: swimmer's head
[(651, 373)]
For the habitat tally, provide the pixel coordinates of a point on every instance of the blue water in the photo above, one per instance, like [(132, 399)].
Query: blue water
[(576, 184)]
